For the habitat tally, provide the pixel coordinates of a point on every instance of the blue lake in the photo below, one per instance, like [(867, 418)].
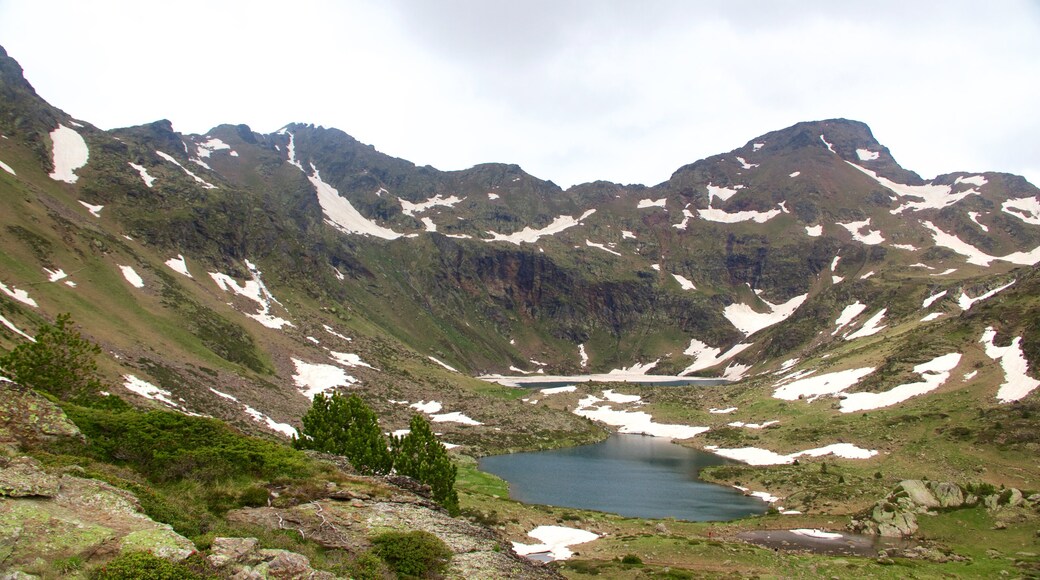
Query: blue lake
[(630, 475)]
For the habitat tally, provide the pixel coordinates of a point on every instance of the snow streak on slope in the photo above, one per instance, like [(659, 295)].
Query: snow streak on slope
[(966, 302), (723, 193), (95, 210), (870, 327), (636, 422), (931, 299), (848, 314), (340, 214), (256, 291), (724, 217), (977, 256), (598, 246), (933, 196), (684, 282), (531, 235), (143, 171), (645, 203), (10, 325), (749, 322), (1017, 382), (205, 184), (7, 168), (410, 209), (69, 154), (934, 373), (283, 428)]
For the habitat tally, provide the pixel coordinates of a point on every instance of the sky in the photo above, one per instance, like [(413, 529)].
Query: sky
[(570, 90)]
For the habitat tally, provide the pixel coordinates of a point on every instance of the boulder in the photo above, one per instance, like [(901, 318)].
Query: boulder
[(947, 494), (22, 477), (225, 551), (893, 520), (918, 492), (27, 418)]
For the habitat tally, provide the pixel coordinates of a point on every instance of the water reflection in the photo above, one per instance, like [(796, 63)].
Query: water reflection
[(630, 475)]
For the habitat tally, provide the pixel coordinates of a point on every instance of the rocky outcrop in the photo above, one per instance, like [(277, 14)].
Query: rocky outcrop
[(243, 559), (896, 515), (46, 517), (27, 419)]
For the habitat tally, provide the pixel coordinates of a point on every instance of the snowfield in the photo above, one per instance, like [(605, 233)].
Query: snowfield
[(179, 265), (705, 356), (312, 379), (410, 209), (69, 153), (554, 541), (19, 295), (636, 422), (132, 276), (826, 384), (977, 256)]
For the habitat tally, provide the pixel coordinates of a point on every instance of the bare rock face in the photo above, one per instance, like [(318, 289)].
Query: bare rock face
[(241, 558), (22, 477)]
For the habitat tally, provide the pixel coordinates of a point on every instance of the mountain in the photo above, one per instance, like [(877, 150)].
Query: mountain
[(235, 274)]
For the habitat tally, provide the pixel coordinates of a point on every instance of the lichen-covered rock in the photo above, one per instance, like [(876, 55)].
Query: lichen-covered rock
[(86, 519), (241, 559), (27, 418), (947, 494), (225, 551), (23, 477), (894, 520), (918, 492)]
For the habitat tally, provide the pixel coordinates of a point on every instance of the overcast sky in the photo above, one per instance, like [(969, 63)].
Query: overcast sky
[(572, 91)]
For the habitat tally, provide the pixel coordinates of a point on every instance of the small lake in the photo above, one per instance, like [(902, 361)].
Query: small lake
[(629, 475)]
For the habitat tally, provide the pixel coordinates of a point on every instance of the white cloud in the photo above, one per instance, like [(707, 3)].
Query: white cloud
[(626, 92)]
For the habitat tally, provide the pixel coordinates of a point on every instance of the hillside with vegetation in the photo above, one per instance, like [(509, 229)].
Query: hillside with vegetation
[(873, 328)]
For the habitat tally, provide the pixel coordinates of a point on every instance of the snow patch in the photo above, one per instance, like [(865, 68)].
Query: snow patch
[(558, 390), (977, 256), (931, 299), (749, 322), (795, 174), (826, 384), (744, 164), (10, 325), (829, 146), (870, 327), (492, 196), (974, 216), (684, 282), (256, 291), (757, 456), (592, 244), (410, 209), (143, 171), (1017, 382), (340, 214), (645, 203), (976, 180), (724, 217), (723, 193), (312, 379), (69, 153), (205, 184), (931, 317), (867, 154), (966, 302), (933, 196), (149, 391), (291, 148), (752, 425), (349, 359), (757, 146), (627, 235), (584, 356), (428, 408), (610, 395), (95, 210), (206, 148), (705, 356), (934, 373), (871, 238), (443, 364), (132, 276), (333, 332), (814, 533), (554, 542), (1026, 209), (725, 411), (179, 265), (636, 422), (848, 314), (531, 235), (55, 275), (814, 231), (455, 417)]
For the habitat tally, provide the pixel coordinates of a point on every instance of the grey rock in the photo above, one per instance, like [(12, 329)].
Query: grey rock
[(225, 551), (918, 492), (947, 494)]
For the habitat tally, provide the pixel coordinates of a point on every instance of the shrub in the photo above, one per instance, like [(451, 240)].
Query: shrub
[(631, 560), (60, 361), (416, 554), (136, 565), (420, 455), (345, 426)]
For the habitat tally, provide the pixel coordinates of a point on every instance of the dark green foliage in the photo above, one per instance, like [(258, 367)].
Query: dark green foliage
[(346, 426), (421, 456), (631, 560), (136, 565), (416, 554), (165, 446), (60, 361)]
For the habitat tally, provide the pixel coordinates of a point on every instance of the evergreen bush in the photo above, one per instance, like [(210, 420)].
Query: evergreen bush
[(415, 554)]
